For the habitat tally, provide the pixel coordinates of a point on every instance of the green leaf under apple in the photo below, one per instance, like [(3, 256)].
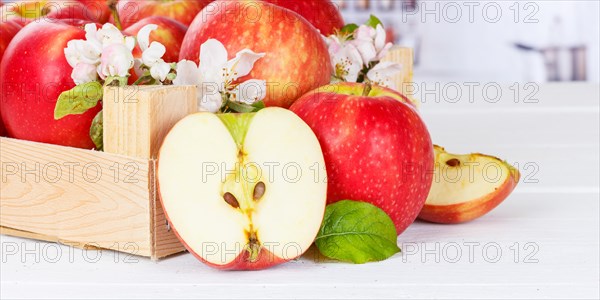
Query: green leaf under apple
[(357, 232)]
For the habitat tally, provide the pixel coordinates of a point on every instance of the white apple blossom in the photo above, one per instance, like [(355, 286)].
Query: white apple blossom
[(152, 54), (216, 76), (381, 73), (371, 42), (116, 60), (84, 73), (357, 57), (91, 54)]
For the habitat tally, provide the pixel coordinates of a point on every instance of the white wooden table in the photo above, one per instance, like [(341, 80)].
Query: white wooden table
[(542, 242)]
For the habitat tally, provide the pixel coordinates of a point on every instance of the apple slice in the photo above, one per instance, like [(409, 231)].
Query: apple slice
[(239, 189), (466, 187)]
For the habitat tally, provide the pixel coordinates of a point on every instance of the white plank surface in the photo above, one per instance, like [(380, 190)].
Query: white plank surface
[(553, 220)]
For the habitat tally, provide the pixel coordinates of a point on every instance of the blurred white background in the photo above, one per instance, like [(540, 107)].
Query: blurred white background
[(475, 40)]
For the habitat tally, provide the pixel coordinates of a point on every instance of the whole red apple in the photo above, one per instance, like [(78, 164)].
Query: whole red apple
[(296, 59), (377, 148), (170, 33), (32, 83), (323, 14), (184, 11), (27, 11)]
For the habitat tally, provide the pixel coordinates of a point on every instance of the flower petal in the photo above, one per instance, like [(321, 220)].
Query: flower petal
[(109, 34), (382, 73), (348, 63), (210, 99), (143, 36), (366, 49), (242, 64), (188, 73), (383, 52), (153, 54), (84, 73), (116, 61), (213, 57), (250, 91), (380, 37), (365, 33), (160, 70)]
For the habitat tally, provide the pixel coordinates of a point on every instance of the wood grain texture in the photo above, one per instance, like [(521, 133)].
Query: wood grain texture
[(76, 195), (164, 241), (403, 56), (137, 118)]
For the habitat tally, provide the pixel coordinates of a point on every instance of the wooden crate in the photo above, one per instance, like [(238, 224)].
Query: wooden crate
[(107, 200), (88, 198)]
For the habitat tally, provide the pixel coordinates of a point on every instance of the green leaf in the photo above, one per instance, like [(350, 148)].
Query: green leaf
[(78, 100), (348, 29), (258, 105), (357, 232), (116, 81), (97, 131), (373, 21), (245, 108)]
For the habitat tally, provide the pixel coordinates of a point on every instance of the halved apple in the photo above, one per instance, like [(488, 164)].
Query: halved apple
[(239, 189), (466, 187)]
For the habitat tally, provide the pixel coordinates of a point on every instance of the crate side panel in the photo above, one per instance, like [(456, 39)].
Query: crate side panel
[(91, 197)]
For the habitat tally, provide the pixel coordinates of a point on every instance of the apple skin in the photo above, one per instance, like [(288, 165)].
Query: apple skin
[(377, 148), (473, 209), (322, 14), (183, 11), (296, 59), (8, 30), (32, 83), (242, 263), (170, 33), (27, 11)]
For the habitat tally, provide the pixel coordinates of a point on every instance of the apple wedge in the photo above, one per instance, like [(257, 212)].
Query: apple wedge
[(466, 187), (239, 189)]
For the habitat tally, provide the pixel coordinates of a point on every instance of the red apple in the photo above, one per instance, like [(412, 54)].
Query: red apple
[(467, 186), (377, 148), (32, 83), (296, 60), (184, 11), (323, 14), (170, 33), (27, 11)]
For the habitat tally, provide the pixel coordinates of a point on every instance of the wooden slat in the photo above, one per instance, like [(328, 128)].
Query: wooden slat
[(137, 118), (403, 56), (164, 241), (77, 195)]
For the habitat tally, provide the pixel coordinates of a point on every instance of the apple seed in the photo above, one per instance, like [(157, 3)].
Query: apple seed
[(453, 162), (231, 200), (259, 191)]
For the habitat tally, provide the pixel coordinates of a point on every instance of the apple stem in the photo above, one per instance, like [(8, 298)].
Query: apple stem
[(112, 5), (367, 89)]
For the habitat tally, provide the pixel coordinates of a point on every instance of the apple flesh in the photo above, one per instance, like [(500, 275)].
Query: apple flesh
[(377, 148), (467, 186), (32, 83), (238, 190), (323, 14), (296, 59)]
